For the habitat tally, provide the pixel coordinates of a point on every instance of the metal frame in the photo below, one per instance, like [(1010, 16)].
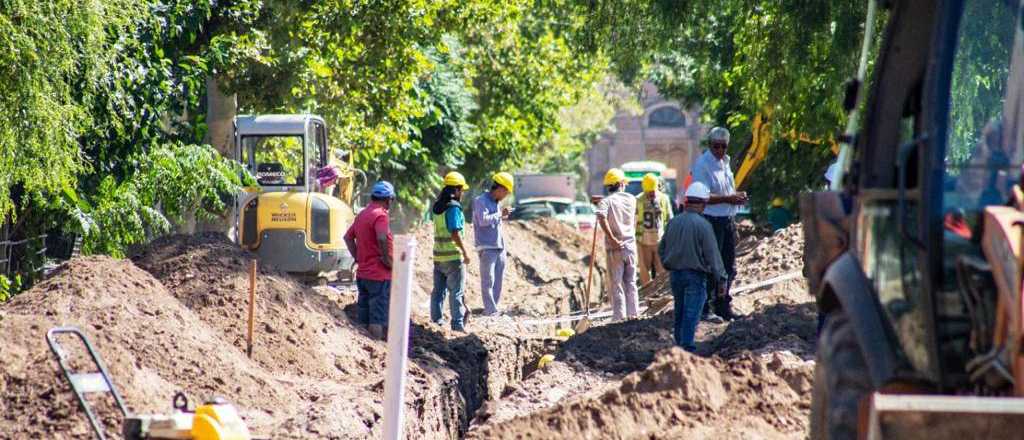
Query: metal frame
[(85, 383)]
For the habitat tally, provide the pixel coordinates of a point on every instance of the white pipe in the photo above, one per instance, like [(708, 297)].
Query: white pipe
[(398, 336), (846, 150)]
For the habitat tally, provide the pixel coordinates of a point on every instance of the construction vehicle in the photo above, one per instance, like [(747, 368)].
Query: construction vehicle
[(216, 420), (296, 217), (915, 257)]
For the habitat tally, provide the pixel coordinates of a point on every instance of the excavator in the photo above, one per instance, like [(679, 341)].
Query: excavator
[(296, 216), (915, 255)]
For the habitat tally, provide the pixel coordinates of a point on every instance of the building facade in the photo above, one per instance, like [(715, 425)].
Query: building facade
[(663, 132)]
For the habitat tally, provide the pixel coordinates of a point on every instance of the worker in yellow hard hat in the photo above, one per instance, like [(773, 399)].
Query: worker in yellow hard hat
[(616, 214), (778, 216), (450, 255), (653, 211), (488, 215)]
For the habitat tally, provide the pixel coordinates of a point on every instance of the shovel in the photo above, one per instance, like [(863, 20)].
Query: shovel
[(584, 323)]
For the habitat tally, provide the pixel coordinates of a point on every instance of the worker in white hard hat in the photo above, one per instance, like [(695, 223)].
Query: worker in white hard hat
[(712, 169), (616, 214), (653, 210), (689, 251)]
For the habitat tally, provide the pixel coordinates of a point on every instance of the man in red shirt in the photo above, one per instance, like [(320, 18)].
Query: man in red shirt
[(369, 242)]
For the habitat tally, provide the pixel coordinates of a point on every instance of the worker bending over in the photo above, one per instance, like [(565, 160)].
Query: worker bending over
[(712, 169), (450, 255), (490, 242), (690, 252), (653, 210), (369, 242), (616, 214)]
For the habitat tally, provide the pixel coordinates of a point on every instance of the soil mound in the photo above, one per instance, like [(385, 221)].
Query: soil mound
[(678, 396), (152, 345), (774, 255)]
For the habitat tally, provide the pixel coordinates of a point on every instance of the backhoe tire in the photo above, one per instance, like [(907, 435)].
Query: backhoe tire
[(841, 381)]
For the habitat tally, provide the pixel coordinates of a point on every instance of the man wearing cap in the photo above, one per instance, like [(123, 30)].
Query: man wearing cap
[(450, 255), (778, 216), (712, 169), (653, 210), (689, 251), (616, 214), (490, 242), (369, 242)]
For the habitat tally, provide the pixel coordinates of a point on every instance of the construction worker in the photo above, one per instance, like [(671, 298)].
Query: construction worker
[(778, 216), (369, 242), (712, 169), (490, 243), (450, 255), (653, 210), (616, 214), (689, 250)]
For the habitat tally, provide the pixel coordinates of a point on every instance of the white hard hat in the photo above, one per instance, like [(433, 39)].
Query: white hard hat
[(698, 190), (832, 172)]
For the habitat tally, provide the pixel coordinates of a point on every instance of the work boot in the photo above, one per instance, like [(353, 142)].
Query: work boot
[(711, 317), (724, 309)]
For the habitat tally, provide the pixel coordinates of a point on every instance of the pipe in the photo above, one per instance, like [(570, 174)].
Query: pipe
[(398, 336), (852, 122)]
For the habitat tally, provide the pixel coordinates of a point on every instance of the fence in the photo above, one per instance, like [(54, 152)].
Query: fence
[(7, 250)]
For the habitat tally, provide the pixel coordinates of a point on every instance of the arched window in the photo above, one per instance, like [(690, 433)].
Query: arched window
[(666, 117)]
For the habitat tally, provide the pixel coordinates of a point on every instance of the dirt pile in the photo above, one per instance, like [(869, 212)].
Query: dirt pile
[(774, 255), (681, 396), (178, 326)]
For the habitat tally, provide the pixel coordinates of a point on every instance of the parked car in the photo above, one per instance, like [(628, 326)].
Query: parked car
[(530, 211), (586, 219)]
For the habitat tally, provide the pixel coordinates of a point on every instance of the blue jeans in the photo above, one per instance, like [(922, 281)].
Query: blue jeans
[(373, 301), (449, 277), (689, 289), (492, 270)]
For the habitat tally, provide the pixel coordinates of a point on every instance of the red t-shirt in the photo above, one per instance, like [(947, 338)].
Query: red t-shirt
[(371, 221)]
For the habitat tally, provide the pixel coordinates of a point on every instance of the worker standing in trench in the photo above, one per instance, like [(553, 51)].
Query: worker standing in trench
[(616, 214), (653, 210), (450, 255), (369, 242), (690, 251), (490, 242), (712, 169)]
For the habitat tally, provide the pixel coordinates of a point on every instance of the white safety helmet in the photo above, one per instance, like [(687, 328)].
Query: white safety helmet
[(718, 134), (698, 190), (832, 172)]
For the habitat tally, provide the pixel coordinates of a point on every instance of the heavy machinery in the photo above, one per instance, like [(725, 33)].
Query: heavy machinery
[(916, 258), (215, 420), (292, 219)]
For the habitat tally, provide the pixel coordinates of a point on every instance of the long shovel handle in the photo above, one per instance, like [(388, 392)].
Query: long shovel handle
[(590, 273)]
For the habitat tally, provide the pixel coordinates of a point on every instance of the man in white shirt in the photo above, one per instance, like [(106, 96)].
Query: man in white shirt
[(712, 169)]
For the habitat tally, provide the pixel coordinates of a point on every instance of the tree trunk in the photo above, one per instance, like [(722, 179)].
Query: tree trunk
[(220, 115)]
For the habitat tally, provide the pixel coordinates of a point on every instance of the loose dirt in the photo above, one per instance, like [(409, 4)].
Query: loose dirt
[(172, 319)]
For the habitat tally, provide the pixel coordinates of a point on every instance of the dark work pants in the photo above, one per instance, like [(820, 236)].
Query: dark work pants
[(725, 235)]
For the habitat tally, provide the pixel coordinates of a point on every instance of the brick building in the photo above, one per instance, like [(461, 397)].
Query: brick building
[(664, 132)]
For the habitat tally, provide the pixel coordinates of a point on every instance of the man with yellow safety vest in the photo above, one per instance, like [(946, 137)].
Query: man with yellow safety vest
[(616, 214), (653, 211), (450, 255), (488, 216)]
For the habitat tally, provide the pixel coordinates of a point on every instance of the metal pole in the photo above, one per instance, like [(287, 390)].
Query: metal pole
[(398, 337)]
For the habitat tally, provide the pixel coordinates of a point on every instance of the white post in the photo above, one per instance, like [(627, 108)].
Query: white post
[(398, 336)]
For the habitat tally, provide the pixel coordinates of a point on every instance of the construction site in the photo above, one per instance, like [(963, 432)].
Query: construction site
[(315, 373), (476, 219)]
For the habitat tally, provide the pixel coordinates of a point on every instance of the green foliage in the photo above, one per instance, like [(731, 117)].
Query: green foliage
[(9, 287)]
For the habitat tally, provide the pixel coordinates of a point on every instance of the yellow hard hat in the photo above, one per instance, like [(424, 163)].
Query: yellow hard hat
[(614, 176), (778, 202), (504, 179), (650, 182), (455, 178), (545, 360)]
